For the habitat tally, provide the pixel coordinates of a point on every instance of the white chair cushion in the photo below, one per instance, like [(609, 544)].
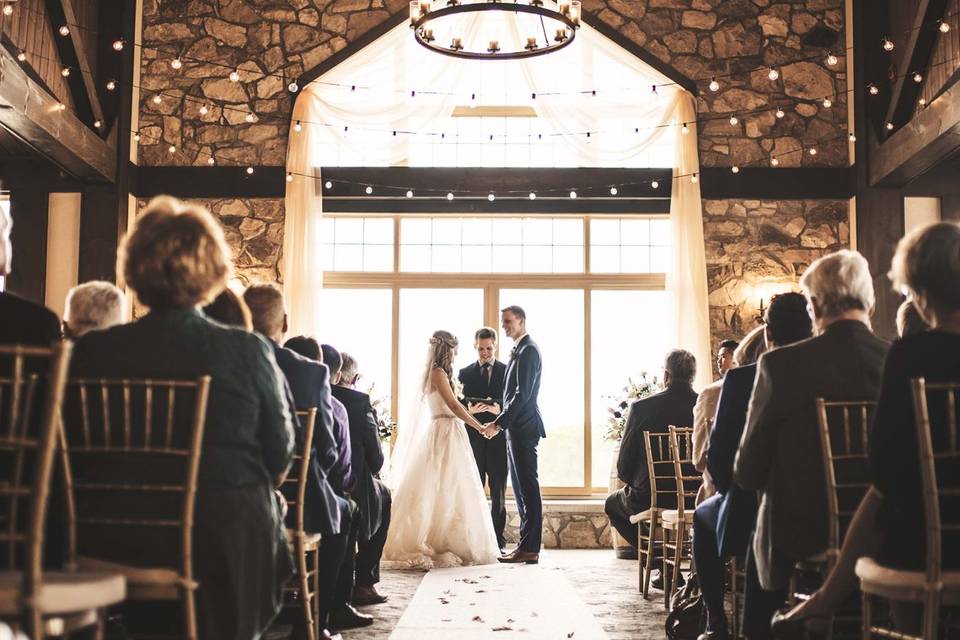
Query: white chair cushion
[(310, 540), (143, 583), (64, 593), (898, 584), (670, 516)]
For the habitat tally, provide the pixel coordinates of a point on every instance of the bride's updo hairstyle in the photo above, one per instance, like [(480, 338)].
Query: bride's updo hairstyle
[(442, 344)]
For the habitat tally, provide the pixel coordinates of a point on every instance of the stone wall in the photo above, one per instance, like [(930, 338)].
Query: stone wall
[(756, 248), (566, 525)]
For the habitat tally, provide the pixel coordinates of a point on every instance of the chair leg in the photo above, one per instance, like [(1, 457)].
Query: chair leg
[(666, 572), (305, 598), (98, 627), (867, 614), (649, 562), (678, 558), (641, 556), (189, 615), (931, 615)]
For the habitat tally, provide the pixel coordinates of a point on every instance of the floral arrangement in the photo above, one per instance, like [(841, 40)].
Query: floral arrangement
[(386, 425), (635, 390), (457, 387)]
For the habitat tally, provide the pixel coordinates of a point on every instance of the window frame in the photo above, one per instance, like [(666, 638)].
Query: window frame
[(492, 283)]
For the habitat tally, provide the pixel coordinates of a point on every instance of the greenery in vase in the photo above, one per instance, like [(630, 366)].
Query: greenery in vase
[(386, 425), (617, 412)]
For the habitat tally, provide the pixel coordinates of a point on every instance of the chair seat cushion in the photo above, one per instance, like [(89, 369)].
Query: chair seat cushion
[(64, 593), (670, 516), (143, 583), (902, 585)]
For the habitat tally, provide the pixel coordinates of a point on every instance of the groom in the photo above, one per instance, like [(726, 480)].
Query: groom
[(523, 423)]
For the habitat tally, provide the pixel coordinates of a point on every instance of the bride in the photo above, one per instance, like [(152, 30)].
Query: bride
[(440, 514)]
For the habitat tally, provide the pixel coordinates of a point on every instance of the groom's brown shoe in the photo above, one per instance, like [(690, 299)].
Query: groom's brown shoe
[(520, 557)]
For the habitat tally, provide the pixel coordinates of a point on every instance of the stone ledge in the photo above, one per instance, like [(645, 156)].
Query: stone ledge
[(567, 524)]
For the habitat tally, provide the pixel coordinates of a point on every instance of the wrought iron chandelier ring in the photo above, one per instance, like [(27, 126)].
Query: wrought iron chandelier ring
[(422, 13)]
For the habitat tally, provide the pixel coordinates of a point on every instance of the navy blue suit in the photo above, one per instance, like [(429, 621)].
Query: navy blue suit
[(722, 524), (522, 421)]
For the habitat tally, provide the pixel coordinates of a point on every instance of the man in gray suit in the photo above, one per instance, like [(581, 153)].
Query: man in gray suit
[(780, 453)]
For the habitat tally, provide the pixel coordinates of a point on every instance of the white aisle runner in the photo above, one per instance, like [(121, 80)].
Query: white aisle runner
[(497, 601)]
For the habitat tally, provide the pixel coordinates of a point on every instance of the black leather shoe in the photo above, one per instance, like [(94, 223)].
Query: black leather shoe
[(798, 628), (657, 581), (365, 596), (349, 618), (626, 553)]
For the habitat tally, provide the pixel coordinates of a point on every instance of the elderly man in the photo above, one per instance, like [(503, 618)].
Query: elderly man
[(672, 406), (779, 454), (704, 411), (24, 322), (93, 306)]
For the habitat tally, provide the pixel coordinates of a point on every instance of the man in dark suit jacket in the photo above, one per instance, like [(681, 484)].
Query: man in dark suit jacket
[(324, 511), (722, 523), (672, 406), (371, 495), (24, 322), (780, 454), (483, 380)]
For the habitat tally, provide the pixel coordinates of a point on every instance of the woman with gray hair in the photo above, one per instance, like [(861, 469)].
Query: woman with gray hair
[(839, 287), (176, 259), (93, 306)]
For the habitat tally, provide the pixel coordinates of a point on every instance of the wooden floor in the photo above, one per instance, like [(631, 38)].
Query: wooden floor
[(605, 584)]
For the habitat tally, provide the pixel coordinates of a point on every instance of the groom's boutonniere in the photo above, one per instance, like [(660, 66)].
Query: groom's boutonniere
[(513, 352)]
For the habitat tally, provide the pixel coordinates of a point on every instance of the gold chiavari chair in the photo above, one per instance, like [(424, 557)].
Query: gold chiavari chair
[(38, 602), (301, 592), (935, 415), (677, 522), (133, 452), (663, 495)]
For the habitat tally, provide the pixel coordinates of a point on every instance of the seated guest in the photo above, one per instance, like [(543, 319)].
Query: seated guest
[(751, 347), (371, 495), (229, 308), (326, 512), (93, 306), (24, 322), (309, 348), (779, 453), (722, 524), (909, 320), (889, 523), (176, 259), (348, 375), (704, 411), (656, 413)]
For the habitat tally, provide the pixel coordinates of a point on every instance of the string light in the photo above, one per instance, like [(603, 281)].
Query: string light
[(873, 89), (234, 76), (172, 149), (735, 169), (176, 64), (22, 56), (293, 87), (694, 178), (532, 196), (813, 151), (111, 85), (328, 184), (298, 127), (289, 177), (922, 102), (889, 126), (773, 74), (409, 193), (655, 184), (249, 171), (613, 191), (780, 113), (136, 137), (64, 30), (573, 195), (714, 85), (97, 124), (65, 72), (157, 99), (211, 161), (852, 137), (118, 45), (685, 129), (368, 190), (888, 44), (944, 26), (775, 161), (832, 60), (450, 196), (733, 120), (250, 117), (8, 10), (491, 197), (203, 110), (827, 103), (917, 77)]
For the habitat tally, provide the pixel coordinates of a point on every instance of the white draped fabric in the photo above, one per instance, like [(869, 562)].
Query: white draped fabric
[(349, 116)]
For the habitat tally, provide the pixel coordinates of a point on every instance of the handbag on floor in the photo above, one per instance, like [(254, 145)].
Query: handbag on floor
[(688, 617)]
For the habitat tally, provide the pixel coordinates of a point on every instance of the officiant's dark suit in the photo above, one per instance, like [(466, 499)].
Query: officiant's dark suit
[(486, 381), (672, 406), (372, 496), (520, 418)]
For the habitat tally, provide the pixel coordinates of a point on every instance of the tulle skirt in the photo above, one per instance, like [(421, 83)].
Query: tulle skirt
[(440, 513)]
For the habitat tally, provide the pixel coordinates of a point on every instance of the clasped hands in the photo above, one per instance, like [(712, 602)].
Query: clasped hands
[(489, 430)]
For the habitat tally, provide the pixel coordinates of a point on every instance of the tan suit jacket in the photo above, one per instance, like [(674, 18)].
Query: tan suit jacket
[(704, 413)]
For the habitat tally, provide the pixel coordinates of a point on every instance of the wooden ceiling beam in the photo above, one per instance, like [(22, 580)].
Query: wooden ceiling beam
[(73, 54)]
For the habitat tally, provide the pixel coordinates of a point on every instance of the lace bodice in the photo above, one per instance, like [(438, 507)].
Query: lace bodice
[(438, 408)]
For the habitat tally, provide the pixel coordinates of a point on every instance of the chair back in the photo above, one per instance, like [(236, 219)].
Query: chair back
[(294, 488), (686, 478), (935, 415), (31, 391), (133, 453), (844, 432), (660, 470)]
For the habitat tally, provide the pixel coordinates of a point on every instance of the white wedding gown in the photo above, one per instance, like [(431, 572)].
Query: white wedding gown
[(440, 516)]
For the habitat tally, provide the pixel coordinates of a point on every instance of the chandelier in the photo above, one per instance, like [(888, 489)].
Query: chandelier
[(563, 18)]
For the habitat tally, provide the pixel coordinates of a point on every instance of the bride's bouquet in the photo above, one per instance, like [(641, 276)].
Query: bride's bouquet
[(617, 412)]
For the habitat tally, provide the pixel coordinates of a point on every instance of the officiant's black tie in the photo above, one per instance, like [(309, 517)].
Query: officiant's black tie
[(486, 372)]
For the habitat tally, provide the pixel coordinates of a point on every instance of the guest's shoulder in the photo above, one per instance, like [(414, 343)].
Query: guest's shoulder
[(651, 400), (288, 358), (347, 395), (740, 376), (29, 313)]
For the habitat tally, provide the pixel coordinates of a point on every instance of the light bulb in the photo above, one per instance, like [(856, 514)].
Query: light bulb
[(111, 85), (65, 72), (249, 117), (136, 137), (450, 196), (368, 190), (573, 194), (293, 87), (735, 169), (118, 45), (22, 56), (172, 149), (491, 197), (780, 113), (203, 110), (532, 196), (917, 77), (157, 99), (813, 151), (613, 191), (685, 129), (409, 193), (64, 30), (298, 127), (888, 44), (889, 126), (827, 103), (873, 89), (176, 64), (61, 106), (852, 137), (211, 161), (714, 85), (773, 74), (328, 184), (922, 102), (694, 178), (97, 124), (832, 60), (733, 120), (234, 76), (655, 184), (775, 161), (249, 171), (944, 26), (8, 10), (289, 177)]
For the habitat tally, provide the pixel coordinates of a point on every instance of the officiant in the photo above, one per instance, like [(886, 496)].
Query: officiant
[(483, 383)]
